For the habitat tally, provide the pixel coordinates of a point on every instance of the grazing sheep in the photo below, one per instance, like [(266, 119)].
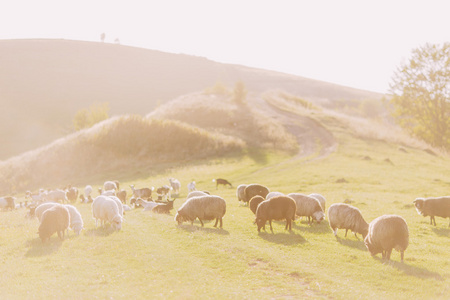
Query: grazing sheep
[(110, 185), (276, 208), (202, 207), (240, 192), (176, 185), (87, 191), (122, 195), (144, 193), (55, 219), (105, 209), (8, 202), (319, 198), (72, 194), (191, 186), (222, 181), (164, 208), (76, 221), (344, 216), (273, 194), (36, 198), (253, 190), (386, 233), (196, 194), (308, 207), (41, 208), (254, 202), (119, 204), (56, 196), (433, 207)]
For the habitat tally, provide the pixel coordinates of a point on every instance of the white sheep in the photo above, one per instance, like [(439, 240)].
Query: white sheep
[(320, 198), (202, 207), (76, 221), (7, 202), (119, 204), (240, 192), (196, 194), (344, 216), (105, 209), (273, 194), (175, 184), (87, 191), (56, 196), (110, 185), (147, 205), (191, 186), (386, 233), (308, 207)]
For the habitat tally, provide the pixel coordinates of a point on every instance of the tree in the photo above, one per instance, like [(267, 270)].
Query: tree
[(240, 92), (421, 94), (85, 118)]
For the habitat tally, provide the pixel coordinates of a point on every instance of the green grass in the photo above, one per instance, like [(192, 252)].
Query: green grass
[(151, 257)]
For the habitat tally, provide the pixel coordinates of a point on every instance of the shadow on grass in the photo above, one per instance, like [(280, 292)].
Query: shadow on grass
[(193, 228), (322, 228), (357, 244), (287, 238), (100, 231), (410, 270), (442, 231), (38, 248)]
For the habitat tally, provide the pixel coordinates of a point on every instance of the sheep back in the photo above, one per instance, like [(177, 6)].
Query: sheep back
[(308, 207), (196, 194), (387, 232), (319, 198), (254, 202), (433, 207), (55, 219), (276, 208), (202, 207), (105, 209), (344, 216), (273, 194), (39, 210), (253, 190), (76, 221)]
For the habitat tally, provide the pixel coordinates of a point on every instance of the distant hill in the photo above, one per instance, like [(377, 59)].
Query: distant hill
[(43, 83)]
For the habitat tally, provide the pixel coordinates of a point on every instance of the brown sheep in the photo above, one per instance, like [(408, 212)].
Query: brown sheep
[(55, 219), (433, 207), (254, 202), (202, 207), (253, 190), (276, 208), (386, 233), (344, 216), (222, 181)]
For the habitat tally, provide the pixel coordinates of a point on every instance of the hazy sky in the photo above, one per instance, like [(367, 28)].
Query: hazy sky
[(353, 43)]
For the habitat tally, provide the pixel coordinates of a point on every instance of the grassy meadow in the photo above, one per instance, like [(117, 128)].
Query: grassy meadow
[(153, 258)]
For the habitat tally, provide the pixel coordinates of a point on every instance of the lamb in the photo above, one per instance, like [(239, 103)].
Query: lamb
[(87, 198), (72, 194), (175, 184), (105, 209), (55, 219), (276, 208), (240, 192), (147, 205), (433, 207), (320, 198), (56, 196), (387, 232), (308, 207), (111, 185), (222, 181), (202, 207), (144, 193), (7, 202), (164, 208), (254, 189), (254, 202), (122, 195), (191, 186), (344, 216), (273, 194)]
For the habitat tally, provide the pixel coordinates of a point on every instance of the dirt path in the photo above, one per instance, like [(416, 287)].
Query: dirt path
[(313, 138)]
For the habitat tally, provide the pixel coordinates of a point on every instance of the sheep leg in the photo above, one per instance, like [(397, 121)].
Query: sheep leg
[(402, 254), (383, 254), (288, 224), (221, 223), (356, 236), (434, 220), (388, 254), (201, 222), (217, 221), (270, 223), (346, 230)]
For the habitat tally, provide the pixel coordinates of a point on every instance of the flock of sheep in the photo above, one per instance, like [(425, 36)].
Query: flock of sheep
[(382, 235)]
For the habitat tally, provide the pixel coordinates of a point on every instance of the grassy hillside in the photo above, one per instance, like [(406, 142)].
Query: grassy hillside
[(152, 257), (53, 79)]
